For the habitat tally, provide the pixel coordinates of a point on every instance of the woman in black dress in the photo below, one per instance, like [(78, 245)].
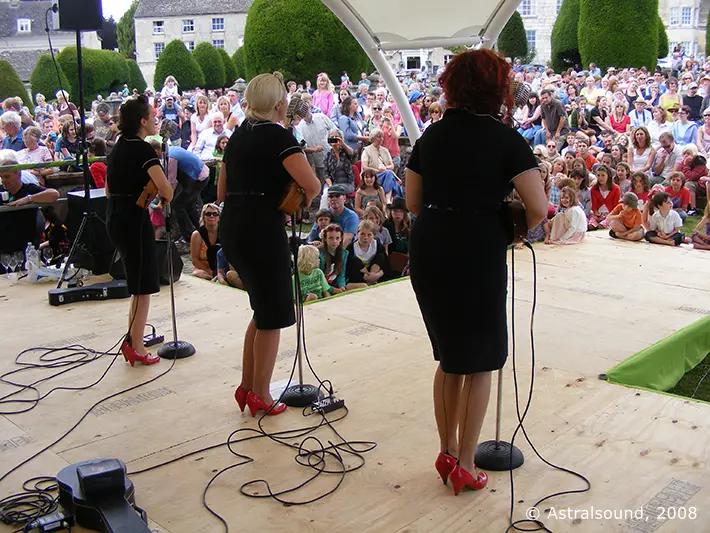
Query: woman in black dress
[(260, 161), (131, 165), (450, 189)]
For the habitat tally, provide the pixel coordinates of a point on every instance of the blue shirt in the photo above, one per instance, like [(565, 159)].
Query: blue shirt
[(187, 162), (348, 220), (222, 262), (15, 144)]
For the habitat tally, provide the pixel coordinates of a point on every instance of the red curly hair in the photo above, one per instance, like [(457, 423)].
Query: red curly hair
[(477, 81)]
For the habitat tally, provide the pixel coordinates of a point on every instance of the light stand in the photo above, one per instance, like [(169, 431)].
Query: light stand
[(174, 349), (83, 152), (300, 395), (497, 455)]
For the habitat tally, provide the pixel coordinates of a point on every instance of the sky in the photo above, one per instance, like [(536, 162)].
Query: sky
[(115, 7)]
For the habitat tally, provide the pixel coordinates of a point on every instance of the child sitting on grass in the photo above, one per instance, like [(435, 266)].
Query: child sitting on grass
[(680, 196), (664, 223), (701, 237), (333, 257), (310, 277), (323, 219), (366, 260), (605, 197), (625, 220)]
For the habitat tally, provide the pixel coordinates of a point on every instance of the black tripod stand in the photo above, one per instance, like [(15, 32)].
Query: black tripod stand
[(84, 154)]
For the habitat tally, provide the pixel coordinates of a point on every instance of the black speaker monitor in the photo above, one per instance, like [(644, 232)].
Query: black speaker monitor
[(82, 15), (95, 251)]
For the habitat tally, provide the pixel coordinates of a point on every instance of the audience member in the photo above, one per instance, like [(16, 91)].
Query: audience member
[(204, 243), (625, 221), (664, 223)]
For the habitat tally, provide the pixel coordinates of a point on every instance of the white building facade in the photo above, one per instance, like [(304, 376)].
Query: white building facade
[(220, 23)]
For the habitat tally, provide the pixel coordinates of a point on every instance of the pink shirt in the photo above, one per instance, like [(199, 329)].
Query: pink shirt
[(324, 100)]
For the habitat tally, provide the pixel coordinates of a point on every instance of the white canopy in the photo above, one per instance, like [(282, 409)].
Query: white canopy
[(381, 25)]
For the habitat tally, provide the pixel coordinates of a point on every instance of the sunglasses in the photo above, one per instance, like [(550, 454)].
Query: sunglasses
[(212, 214)]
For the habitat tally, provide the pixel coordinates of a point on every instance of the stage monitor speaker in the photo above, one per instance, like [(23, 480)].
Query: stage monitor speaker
[(118, 272), (82, 15), (95, 250)]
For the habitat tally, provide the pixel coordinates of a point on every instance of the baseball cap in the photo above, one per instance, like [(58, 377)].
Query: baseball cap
[(336, 190)]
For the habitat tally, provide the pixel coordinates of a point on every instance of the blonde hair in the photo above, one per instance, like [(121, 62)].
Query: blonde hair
[(263, 93), (169, 79), (225, 100), (308, 259), (373, 209), (324, 76), (204, 210), (368, 226), (200, 99)]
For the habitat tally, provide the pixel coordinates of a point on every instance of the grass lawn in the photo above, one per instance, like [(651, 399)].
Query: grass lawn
[(688, 383), (689, 226)]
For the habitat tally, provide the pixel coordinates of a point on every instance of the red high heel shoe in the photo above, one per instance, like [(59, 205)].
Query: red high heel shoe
[(444, 464), (241, 396), (460, 478), (131, 356), (257, 404)]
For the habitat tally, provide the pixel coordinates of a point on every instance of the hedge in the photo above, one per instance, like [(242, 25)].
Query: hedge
[(707, 37), (512, 41), (104, 71), (239, 63), (565, 39), (602, 41), (176, 61), (663, 46), (301, 39), (211, 63), (11, 84), (230, 71), (44, 77), (135, 77)]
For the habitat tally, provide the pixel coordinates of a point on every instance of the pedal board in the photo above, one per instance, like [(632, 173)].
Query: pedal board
[(327, 404), (152, 340)]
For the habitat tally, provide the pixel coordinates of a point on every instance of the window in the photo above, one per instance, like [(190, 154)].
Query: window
[(218, 43), (188, 26), (158, 27), (24, 25), (218, 24), (671, 47), (559, 6), (675, 16), (159, 47), (531, 36), (686, 16), (414, 62), (686, 48), (190, 45), (448, 57), (527, 8)]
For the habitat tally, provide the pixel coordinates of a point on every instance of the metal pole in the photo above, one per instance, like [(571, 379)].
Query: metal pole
[(499, 411)]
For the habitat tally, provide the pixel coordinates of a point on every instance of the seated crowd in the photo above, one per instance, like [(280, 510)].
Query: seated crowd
[(615, 151)]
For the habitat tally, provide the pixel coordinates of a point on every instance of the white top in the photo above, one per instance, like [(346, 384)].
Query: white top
[(669, 224), (655, 129), (640, 161), (200, 125), (316, 134), (204, 148), (575, 220), (169, 91)]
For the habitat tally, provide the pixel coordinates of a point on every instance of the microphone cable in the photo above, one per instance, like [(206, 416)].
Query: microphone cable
[(538, 524)]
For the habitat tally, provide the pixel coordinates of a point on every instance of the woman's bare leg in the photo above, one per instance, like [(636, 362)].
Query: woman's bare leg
[(266, 347), (137, 318), (472, 411), (248, 357), (447, 396)]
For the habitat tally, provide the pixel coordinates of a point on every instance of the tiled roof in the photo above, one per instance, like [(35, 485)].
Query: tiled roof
[(11, 11), (177, 8), (23, 61)]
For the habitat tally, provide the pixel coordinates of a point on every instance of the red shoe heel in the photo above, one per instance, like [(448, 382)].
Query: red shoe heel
[(444, 464), (240, 395), (129, 354), (256, 404), (460, 479), (148, 359)]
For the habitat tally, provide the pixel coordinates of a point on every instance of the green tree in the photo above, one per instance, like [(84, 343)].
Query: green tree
[(211, 63), (104, 71), (565, 43), (707, 37), (316, 41), (44, 77), (135, 77), (11, 84), (176, 61), (512, 41), (126, 32), (239, 63), (117, 73), (601, 41), (230, 71), (662, 39)]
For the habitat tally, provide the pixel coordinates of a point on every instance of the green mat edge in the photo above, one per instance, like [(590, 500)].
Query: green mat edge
[(661, 366)]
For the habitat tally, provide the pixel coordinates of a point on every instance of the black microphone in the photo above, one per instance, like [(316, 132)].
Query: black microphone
[(168, 128)]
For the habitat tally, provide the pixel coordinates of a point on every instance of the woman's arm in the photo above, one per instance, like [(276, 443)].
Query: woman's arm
[(299, 169), (222, 183), (630, 158), (193, 133), (649, 163), (202, 270), (383, 199), (413, 192), (165, 190), (531, 191)]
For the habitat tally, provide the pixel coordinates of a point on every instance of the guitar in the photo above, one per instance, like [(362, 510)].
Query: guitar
[(100, 496)]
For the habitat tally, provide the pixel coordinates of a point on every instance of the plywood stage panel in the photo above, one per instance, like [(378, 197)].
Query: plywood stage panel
[(597, 304)]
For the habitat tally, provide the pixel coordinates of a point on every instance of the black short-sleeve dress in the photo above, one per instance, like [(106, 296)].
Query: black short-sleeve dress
[(458, 245), (128, 225), (251, 226)]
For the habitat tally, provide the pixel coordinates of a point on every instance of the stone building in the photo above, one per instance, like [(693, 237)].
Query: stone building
[(23, 37), (220, 22)]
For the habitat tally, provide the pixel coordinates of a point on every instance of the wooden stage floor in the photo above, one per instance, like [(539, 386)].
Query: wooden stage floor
[(598, 303)]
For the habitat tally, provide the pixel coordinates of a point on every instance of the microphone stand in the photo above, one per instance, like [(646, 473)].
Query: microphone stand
[(496, 455), (174, 349)]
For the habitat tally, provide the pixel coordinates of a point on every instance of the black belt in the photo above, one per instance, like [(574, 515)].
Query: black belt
[(452, 209), (119, 195)]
